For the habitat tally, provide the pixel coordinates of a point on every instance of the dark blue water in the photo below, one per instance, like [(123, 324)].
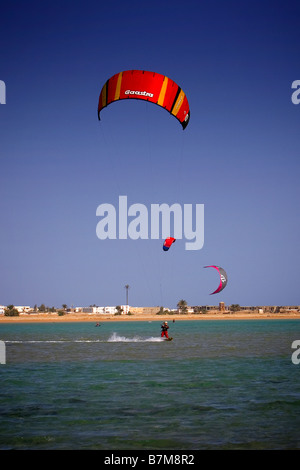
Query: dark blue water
[(218, 385)]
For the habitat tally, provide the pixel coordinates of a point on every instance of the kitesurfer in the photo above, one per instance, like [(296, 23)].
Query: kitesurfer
[(164, 330)]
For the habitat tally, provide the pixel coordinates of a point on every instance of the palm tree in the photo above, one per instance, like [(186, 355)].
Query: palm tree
[(182, 306), (119, 310)]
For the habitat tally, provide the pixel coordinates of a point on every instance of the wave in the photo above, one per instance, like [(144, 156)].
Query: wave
[(115, 338), (56, 341)]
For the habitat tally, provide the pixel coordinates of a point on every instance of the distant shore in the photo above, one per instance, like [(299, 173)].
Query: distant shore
[(94, 318)]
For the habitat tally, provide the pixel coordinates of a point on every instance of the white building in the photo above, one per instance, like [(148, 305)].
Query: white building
[(23, 309), (92, 310), (109, 310), (20, 308), (104, 310)]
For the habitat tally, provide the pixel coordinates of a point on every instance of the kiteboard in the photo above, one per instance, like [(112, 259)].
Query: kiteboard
[(168, 339)]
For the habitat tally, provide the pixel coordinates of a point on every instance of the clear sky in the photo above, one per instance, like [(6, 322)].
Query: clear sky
[(239, 155)]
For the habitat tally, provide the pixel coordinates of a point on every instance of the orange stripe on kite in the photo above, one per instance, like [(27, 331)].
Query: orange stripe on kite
[(178, 103), (118, 87), (163, 90)]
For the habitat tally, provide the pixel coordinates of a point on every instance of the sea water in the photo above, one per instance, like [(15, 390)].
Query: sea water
[(224, 384)]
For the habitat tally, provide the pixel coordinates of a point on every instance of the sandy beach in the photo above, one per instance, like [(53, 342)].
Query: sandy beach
[(80, 317)]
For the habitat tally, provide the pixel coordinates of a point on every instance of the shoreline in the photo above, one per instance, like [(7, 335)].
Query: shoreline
[(94, 318)]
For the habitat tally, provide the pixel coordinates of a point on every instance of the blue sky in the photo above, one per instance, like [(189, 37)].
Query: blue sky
[(239, 155)]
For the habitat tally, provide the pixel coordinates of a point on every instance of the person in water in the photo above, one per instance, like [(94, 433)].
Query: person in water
[(164, 330)]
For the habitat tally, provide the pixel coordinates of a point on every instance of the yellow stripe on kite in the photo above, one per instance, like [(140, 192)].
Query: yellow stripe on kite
[(178, 103), (104, 97), (163, 92), (118, 87)]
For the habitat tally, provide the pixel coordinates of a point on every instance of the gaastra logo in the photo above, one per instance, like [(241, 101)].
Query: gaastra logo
[(141, 93)]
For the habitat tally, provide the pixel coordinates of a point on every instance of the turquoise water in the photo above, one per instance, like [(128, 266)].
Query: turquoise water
[(218, 385)]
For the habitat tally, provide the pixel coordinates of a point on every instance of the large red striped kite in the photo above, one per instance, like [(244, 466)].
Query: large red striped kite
[(148, 86)]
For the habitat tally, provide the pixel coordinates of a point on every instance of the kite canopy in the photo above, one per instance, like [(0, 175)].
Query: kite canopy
[(148, 86), (168, 242), (223, 278)]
